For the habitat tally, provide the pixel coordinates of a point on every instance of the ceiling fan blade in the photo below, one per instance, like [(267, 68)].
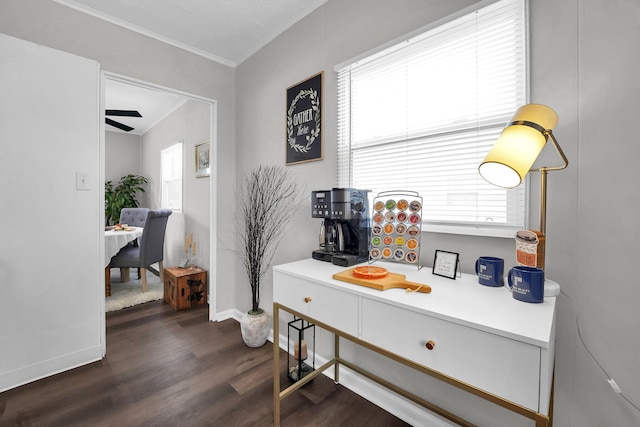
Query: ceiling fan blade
[(122, 113), (118, 125)]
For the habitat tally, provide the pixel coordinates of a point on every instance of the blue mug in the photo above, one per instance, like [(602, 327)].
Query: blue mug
[(526, 283), (490, 271)]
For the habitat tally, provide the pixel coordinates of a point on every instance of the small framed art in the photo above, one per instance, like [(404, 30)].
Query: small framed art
[(203, 159), (446, 264)]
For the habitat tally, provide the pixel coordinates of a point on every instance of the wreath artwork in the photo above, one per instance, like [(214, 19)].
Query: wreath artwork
[(304, 120), (315, 108)]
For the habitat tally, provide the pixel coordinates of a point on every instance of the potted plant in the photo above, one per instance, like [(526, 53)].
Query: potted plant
[(121, 196), (269, 200)]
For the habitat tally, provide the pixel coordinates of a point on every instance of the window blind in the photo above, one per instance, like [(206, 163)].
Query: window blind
[(421, 116)]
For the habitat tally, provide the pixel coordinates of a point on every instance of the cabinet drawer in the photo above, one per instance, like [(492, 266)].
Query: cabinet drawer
[(499, 365), (331, 306)]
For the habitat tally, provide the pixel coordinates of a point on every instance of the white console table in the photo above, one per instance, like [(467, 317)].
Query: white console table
[(461, 333)]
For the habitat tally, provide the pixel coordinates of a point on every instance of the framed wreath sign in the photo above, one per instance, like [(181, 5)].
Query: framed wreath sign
[(304, 120)]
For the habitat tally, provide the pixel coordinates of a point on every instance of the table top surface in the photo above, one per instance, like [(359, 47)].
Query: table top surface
[(137, 231), (463, 300)]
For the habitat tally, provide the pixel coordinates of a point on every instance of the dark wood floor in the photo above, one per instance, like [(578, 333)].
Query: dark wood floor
[(167, 368)]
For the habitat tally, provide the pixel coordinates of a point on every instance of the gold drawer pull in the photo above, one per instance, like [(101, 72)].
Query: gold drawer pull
[(430, 344), (307, 299)]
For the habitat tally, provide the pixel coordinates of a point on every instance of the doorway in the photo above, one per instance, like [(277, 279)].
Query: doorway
[(186, 118)]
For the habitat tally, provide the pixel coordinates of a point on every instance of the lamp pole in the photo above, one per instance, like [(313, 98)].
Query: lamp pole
[(543, 180), (543, 200)]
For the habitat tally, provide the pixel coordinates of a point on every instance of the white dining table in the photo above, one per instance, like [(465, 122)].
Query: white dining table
[(114, 240)]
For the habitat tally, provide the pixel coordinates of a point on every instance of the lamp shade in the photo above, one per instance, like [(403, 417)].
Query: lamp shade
[(518, 146)]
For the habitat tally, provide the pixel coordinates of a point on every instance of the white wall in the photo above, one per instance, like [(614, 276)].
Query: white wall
[(129, 54), (607, 198), (126, 153), (51, 295), (335, 32), (584, 65), (190, 125), (121, 155)]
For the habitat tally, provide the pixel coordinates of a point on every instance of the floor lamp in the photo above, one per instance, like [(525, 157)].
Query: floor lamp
[(517, 149)]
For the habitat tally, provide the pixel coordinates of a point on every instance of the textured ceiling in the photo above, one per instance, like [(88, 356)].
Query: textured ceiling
[(227, 31)]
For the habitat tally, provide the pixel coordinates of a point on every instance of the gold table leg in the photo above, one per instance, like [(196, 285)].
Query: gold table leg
[(539, 419), (276, 367)]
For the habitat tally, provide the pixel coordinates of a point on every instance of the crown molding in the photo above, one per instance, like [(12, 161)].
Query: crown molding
[(127, 25)]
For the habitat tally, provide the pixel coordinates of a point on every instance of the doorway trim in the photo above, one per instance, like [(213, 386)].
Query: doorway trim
[(213, 182)]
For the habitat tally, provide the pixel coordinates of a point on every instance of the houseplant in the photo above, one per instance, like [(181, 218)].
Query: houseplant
[(269, 200), (123, 195)]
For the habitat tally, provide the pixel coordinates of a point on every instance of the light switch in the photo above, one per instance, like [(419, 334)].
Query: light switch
[(82, 181)]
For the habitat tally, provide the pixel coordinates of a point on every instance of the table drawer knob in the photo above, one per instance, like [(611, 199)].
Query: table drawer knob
[(307, 299), (430, 344)]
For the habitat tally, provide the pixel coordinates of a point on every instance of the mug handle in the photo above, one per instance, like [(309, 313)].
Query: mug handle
[(508, 281), (477, 265)]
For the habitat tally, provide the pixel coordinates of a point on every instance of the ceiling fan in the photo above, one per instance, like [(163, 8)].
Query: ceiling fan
[(120, 113)]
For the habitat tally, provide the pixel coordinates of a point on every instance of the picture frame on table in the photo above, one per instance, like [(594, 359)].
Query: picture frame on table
[(446, 264), (304, 120), (203, 159)]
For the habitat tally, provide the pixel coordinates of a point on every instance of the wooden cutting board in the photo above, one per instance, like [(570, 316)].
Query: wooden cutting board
[(390, 281)]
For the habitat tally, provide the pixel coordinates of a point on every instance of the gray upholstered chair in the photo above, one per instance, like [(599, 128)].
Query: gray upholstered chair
[(150, 248), (134, 217)]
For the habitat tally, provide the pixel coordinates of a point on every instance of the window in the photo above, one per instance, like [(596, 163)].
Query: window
[(421, 116), (171, 165)]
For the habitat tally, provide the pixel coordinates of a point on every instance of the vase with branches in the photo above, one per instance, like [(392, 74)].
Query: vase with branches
[(270, 198)]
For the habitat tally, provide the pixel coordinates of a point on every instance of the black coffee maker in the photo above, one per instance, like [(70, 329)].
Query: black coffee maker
[(344, 233)]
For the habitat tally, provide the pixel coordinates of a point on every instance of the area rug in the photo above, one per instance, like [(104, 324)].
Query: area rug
[(128, 294)]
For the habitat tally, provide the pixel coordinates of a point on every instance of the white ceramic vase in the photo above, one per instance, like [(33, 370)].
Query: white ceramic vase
[(255, 329)]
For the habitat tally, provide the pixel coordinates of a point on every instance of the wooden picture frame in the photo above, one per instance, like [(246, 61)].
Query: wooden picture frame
[(203, 159), (304, 120), (446, 264)]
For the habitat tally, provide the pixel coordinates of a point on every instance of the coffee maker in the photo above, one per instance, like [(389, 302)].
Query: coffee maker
[(344, 232)]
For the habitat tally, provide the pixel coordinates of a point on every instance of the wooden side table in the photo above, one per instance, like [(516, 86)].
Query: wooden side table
[(185, 287)]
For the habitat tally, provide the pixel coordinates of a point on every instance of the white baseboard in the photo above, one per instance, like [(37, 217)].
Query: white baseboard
[(228, 314), (47, 368)]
